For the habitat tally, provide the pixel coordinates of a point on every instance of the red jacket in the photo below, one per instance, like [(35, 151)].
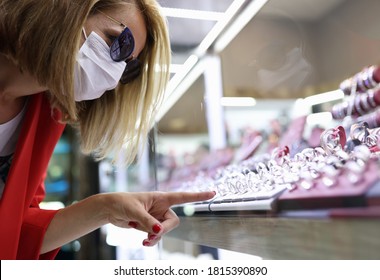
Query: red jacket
[(22, 223)]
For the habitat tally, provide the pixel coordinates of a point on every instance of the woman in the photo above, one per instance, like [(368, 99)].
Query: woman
[(91, 64)]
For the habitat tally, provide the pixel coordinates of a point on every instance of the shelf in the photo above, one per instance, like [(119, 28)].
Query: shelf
[(284, 237)]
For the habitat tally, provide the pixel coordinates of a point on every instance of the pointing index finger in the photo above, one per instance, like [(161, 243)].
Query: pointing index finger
[(186, 197)]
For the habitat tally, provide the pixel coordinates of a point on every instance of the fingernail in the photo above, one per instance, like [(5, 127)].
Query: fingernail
[(156, 228), (152, 237), (132, 224), (146, 243)]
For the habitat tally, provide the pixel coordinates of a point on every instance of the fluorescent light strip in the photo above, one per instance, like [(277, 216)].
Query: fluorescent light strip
[(179, 83), (175, 68), (237, 101), (179, 76), (218, 27), (192, 14), (244, 18), (324, 97)]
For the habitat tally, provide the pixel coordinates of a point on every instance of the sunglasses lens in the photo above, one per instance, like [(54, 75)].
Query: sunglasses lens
[(123, 46), (131, 72)]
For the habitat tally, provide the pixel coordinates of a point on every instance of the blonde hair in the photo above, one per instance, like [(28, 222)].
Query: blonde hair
[(43, 38)]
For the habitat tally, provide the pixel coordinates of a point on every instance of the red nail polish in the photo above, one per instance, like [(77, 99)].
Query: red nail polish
[(156, 228), (152, 237), (132, 224), (146, 243)]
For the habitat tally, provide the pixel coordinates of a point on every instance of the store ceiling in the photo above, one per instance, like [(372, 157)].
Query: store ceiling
[(257, 45), (187, 34)]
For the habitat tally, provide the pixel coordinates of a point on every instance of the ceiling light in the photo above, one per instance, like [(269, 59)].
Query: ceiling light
[(190, 71), (179, 76), (192, 14), (324, 97), (249, 12), (175, 68), (219, 27)]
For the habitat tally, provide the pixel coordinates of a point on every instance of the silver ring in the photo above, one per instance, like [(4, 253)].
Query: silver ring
[(330, 141), (357, 106), (371, 81), (364, 101), (345, 86), (364, 77), (371, 98), (360, 87), (375, 131)]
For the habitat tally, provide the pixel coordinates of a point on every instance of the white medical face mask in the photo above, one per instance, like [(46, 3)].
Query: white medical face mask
[(95, 71)]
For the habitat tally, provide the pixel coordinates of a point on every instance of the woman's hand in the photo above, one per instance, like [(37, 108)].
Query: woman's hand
[(150, 211)]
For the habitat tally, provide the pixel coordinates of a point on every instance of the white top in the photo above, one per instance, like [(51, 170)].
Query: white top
[(9, 133)]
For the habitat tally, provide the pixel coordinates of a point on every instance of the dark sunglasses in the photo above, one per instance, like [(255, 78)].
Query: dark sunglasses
[(121, 50)]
